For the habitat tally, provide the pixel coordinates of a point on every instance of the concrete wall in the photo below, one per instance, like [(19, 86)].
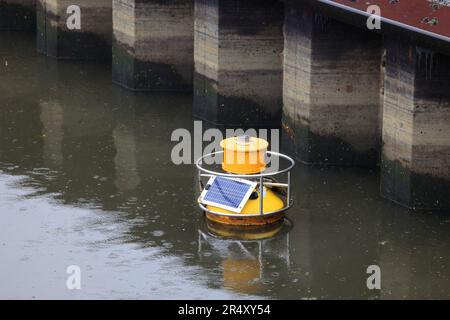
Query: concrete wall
[(416, 127), (17, 14), (238, 62), (331, 90), (92, 41), (153, 44)]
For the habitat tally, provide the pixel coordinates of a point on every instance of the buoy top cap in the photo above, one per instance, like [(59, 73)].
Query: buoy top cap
[(244, 144)]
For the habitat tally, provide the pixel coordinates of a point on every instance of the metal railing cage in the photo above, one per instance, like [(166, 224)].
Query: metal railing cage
[(266, 178)]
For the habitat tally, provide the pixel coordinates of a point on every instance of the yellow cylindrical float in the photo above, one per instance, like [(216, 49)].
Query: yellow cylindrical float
[(244, 155)]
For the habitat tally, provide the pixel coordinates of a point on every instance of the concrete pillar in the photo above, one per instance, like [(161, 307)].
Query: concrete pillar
[(20, 128), (238, 62), (59, 39), (125, 162), (17, 14), (416, 127), (331, 89), (153, 47)]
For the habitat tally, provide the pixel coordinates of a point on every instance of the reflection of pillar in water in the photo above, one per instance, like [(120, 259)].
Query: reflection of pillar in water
[(127, 175), (18, 15), (395, 258), (52, 118), (395, 274), (412, 257)]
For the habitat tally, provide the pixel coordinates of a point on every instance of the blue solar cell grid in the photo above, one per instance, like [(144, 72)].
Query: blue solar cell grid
[(227, 192)]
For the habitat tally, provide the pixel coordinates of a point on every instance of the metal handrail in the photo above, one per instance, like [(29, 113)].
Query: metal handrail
[(259, 175)]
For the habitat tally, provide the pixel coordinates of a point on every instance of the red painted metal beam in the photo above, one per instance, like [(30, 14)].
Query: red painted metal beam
[(428, 17)]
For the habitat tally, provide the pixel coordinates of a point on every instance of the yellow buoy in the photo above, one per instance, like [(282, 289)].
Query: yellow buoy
[(245, 155)]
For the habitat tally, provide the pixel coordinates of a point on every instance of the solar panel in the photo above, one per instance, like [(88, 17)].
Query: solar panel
[(226, 193)]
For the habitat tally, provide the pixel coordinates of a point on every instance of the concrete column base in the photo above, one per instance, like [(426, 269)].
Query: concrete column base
[(18, 15), (331, 90), (416, 127), (238, 62), (92, 41), (153, 46)]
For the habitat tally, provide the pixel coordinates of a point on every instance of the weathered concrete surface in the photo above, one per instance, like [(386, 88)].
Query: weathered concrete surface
[(92, 41), (18, 15), (416, 127), (238, 62), (331, 90), (153, 47)]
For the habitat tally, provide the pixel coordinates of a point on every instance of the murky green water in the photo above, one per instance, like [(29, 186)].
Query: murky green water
[(86, 179)]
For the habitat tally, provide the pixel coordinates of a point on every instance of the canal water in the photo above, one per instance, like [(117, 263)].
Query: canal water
[(86, 179)]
